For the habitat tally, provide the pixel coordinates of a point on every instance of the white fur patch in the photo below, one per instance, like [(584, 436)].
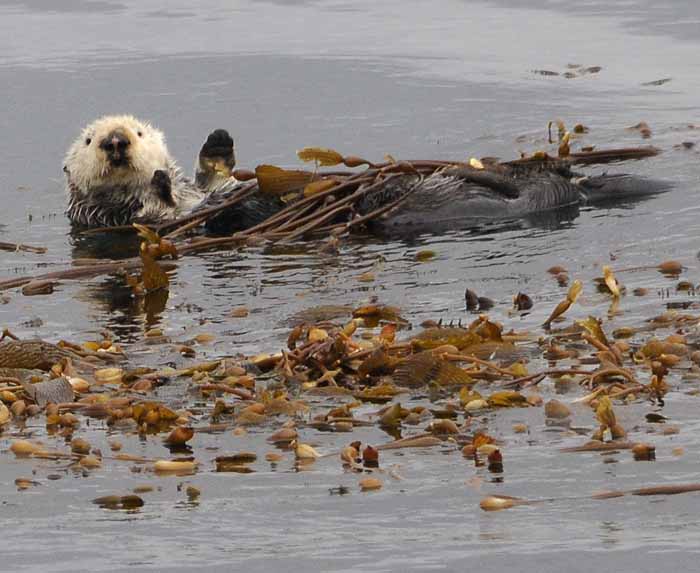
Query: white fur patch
[(87, 166)]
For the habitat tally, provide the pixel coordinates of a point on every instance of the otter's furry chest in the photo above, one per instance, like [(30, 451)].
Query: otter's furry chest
[(105, 206), (122, 203)]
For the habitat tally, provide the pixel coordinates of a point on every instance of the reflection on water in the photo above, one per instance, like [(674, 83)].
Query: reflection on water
[(611, 533), (129, 315), (113, 245)]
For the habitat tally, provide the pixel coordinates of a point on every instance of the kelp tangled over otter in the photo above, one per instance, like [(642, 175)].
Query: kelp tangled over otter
[(119, 171)]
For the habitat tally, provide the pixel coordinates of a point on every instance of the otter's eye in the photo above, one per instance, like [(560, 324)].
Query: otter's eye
[(88, 141), (139, 133)]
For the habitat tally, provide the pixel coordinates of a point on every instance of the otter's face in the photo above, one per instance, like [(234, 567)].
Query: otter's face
[(115, 150)]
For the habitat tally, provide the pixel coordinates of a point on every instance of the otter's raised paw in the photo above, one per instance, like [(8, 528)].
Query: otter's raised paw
[(219, 145), (216, 158), (162, 185)]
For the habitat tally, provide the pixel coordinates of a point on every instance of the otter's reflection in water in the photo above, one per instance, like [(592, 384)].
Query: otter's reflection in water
[(127, 315), (115, 245), (549, 220)]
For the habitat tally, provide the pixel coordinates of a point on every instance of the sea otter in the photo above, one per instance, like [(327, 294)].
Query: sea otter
[(119, 171), (460, 197), (541, 193)]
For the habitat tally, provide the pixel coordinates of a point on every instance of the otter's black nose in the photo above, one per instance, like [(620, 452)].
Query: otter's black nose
[(115, 144)]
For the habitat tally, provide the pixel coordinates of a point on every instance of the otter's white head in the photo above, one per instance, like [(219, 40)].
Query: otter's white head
[(115, 150)]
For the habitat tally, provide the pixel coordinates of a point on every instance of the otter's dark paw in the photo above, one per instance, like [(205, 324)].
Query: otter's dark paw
[(219, 145), (216, 159), (162, 185)]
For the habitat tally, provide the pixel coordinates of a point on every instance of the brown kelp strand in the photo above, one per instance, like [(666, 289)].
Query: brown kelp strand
[(18, 247), (500, 502)]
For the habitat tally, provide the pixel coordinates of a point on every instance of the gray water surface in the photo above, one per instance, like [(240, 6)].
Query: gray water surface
[(449, 80)]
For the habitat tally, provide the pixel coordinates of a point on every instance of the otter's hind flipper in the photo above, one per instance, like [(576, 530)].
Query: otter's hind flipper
[(216, 159), (619, 187)]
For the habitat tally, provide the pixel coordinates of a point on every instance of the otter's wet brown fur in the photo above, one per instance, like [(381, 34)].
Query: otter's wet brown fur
[(459, 197)]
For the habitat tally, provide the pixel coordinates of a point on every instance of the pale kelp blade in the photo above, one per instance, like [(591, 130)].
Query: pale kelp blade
[(277, 181), (321, 155)]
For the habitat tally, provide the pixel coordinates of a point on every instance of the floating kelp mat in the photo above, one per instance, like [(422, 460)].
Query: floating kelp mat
[(362, 397)]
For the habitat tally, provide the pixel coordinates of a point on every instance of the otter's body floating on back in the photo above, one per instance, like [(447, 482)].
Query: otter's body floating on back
[(119, 171), (461, 197)]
